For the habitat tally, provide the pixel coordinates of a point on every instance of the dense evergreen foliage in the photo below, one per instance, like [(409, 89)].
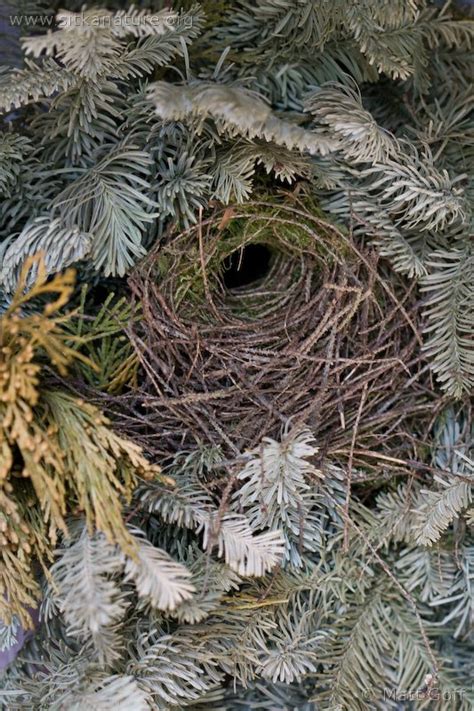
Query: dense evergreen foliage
[(236, 456)]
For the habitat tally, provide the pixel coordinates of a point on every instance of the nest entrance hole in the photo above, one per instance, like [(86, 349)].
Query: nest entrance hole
[(247, 266)]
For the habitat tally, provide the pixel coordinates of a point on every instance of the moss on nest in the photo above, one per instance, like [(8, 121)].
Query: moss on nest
[(291, 230)]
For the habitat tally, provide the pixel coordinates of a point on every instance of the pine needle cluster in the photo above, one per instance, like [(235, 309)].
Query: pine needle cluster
[(369, 101), (262, 585), (309, 543)]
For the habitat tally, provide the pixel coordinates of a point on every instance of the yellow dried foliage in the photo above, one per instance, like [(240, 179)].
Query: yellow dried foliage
[(59, 456)]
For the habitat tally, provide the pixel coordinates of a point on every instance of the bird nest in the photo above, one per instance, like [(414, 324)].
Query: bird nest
[(268, 315)]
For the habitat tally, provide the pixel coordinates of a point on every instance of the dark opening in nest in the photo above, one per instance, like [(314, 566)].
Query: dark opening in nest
[(302, 327), (247, 266)]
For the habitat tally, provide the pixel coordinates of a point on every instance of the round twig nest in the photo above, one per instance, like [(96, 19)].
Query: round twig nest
[(268, 314)]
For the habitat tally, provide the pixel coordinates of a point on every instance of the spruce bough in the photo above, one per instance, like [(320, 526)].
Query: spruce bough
[(282, 575)]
